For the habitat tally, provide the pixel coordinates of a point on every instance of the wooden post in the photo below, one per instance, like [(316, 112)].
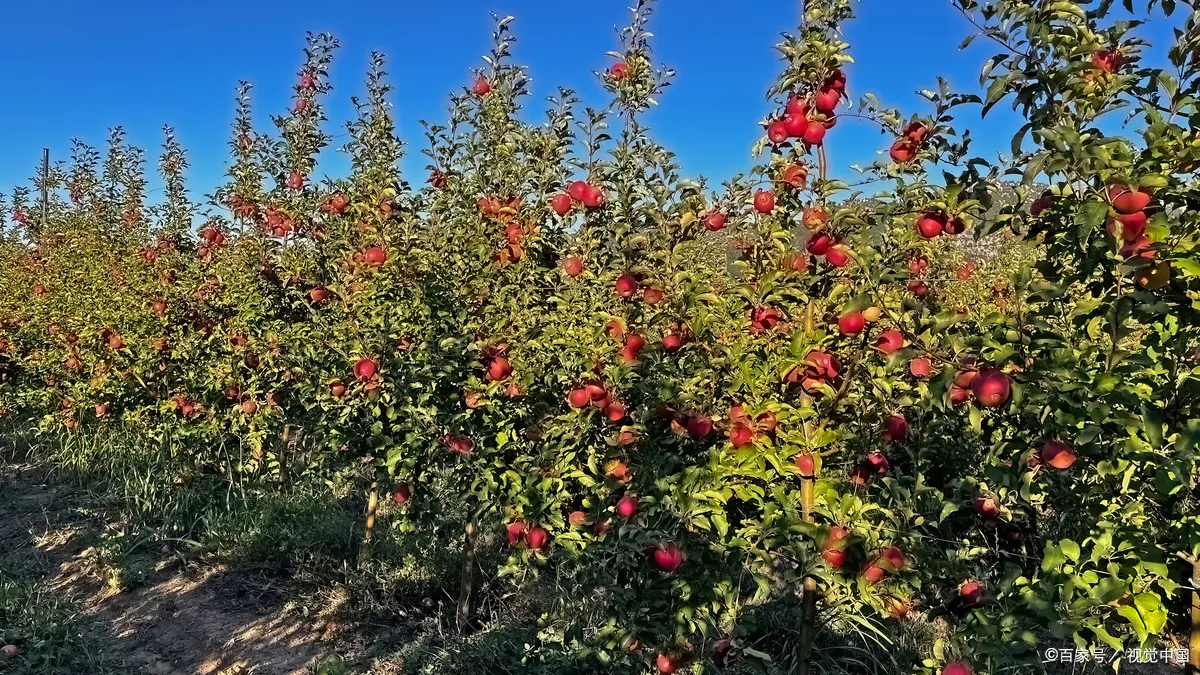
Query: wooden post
[(45, 186), (372, 509), (468, 577), (808, 599)]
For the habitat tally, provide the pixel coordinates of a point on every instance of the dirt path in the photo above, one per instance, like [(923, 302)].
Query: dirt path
[(183, 618)]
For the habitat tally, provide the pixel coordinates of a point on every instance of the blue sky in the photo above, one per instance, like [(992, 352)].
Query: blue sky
[(74, 68)]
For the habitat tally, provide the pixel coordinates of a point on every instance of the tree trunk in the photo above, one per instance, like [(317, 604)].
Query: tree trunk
[(808, 599), (468, 577), (1194, 639)]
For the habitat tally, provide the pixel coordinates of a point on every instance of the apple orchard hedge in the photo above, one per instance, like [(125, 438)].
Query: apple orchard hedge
[(688, 405)]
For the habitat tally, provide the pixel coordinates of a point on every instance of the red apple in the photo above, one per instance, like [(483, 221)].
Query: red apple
[(930, 224), (618, 71), (777, 132), (627, 506), (401, 494), (838, 255), (874, 574), (972, 593), (672, 342), (579, 398), (615, 411), (827, 99), (499, 369), (814, 135), (920, 367), (991, 387), (714, 221), (834, 557), (1041, 204), (795, 175), (1132, 225), (794, 125), (851, 323), (625, 286), (365, 369), (902, 151), (764, 201), (667, 557), (481, 87), (699, 426), (957, 668), (895, 428), (1127, 201), (890, 341), (515, 531), (10, 651), (561, 203), (818, 244), (537, 538), (652, 296), (741, 435), (578, 190), (337, 389), (1058, 454), (594, 198), (986, 508), (318, 294), (806, 463), (375, 255), (797, 107)]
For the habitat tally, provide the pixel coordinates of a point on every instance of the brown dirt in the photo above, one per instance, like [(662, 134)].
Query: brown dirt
[(184, 618)]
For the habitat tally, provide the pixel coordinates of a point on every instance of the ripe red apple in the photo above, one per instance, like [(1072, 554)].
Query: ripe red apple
[(301, 106), (874, 573), (672, 342), (764, 201), (851, 323), (337, 389), (596, 392), (986, 508), (481, 87), (890, 341), (972, 593), (818, 244), (815, 218), (991, 387), (1132, 225), (594, 198), (965, 272), (1041, 204), (618, 71), (295, 180), (635, 342), (814, 135), (499, 369), (577, 518), (459, 444), (1109, 60), (579, 398), (836, 80), (827, 99), (806, 463), (916, 132), (741, 435), (666, 664), (893, 559), (249, 406), (795, 175), (959, 395), (838, 255), (902, 151), (793, 262), (625, 286), (1058, 454), (578, 190), (627, 506), (699, 426), (895, 428), (836, 558), (715, 221), (797, 107), (955, 225), (794, 125), (561, 203), (777, 132), (365, 368), (957, 668), (652, 296), (401, 494), (375, 255), (920, 367), (667, 557), (1127, 201), (537, 538), (930, 224), (515, 531), (318, 294)]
